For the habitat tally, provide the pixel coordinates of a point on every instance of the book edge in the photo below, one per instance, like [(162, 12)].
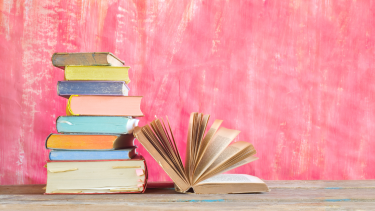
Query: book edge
[(129, 151), (137, 157), (70, 53)]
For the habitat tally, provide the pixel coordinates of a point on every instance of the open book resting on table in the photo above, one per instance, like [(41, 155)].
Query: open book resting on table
[(207, 156)]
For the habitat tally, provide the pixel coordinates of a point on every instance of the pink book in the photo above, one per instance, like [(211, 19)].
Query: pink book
[(104, 105)]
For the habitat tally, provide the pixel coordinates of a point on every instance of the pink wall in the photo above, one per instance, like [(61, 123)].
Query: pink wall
[(296, 77)]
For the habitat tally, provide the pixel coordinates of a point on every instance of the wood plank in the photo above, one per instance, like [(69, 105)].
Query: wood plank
[(197, 206), (333, 184), (169, 195), (284, 195)]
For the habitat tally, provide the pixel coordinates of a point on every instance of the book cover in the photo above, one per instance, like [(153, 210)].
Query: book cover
[(96, 124), (96, 73), (104, 105), (97, 177), (85, 59), (115, 88), (92, 154), (89, 141)]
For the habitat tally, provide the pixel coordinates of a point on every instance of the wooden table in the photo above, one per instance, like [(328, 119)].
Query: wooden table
[(284, 195)]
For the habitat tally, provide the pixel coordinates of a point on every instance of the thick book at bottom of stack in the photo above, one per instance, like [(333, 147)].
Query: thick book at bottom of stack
[(97, 176)]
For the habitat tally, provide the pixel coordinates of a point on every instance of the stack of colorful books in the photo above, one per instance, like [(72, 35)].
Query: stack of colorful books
[(94, 149)]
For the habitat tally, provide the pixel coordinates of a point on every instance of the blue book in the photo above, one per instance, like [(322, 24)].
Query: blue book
[(92, 154), (96, 124), (113, 88)]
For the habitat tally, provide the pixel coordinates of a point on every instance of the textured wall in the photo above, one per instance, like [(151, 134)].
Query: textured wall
[(296, 77)]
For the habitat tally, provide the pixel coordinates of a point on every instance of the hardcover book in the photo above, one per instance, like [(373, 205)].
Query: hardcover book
[(89, 142), (104, 105), (85, 59), (115, 88), (207, 156), (96, 177), (96, 73), (119, 154), (96, 124)]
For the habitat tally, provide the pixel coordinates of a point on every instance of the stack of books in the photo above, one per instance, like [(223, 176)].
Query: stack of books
[(94, 149)]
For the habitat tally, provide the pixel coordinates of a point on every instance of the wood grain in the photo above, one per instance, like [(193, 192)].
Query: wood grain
[(295, 77), (284, 195)]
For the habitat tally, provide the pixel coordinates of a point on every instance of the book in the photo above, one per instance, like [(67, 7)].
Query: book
[(96, 73), (230, 183), (85, 59), (89, 141), (92, 154), (96, 177), (96, 124), (104, 105), (206, 156), (116, 88)]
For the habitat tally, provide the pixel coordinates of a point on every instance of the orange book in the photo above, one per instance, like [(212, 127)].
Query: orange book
[(104, 105), (89, 142)]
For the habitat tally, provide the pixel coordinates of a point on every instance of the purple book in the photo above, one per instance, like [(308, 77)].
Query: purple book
[(113, 88)]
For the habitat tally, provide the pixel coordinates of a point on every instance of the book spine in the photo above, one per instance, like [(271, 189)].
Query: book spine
[(88, 105), (92, 124), (115, 88), (91, 155), (96, 73), (87, 59), (80, 142), (89, 141), (47, 140)]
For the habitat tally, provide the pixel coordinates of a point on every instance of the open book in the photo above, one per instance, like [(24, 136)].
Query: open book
[(207, 156)]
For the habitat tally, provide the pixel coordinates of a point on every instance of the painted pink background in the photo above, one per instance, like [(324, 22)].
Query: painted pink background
[(296, 77)]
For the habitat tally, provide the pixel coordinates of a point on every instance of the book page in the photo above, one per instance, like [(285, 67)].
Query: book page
[(241, 163), (231, 183), (174, 144), (161, 159), (167, 144), (241, 158), (163, 147), (194, 142), (201, 130), (232, 178), (154, 142), (203, 146), (188, 144), (219, 142), (70, 176), (230, 152)]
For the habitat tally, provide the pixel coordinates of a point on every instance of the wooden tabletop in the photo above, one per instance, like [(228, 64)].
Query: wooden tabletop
[(284, 195)]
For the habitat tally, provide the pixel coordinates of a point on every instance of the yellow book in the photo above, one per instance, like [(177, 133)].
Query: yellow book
[(96, 73)]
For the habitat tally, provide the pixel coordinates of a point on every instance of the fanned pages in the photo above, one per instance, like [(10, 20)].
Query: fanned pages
[(207, 156)]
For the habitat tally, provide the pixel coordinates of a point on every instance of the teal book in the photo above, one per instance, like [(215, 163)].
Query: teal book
[(92, 154), (96, 124)]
